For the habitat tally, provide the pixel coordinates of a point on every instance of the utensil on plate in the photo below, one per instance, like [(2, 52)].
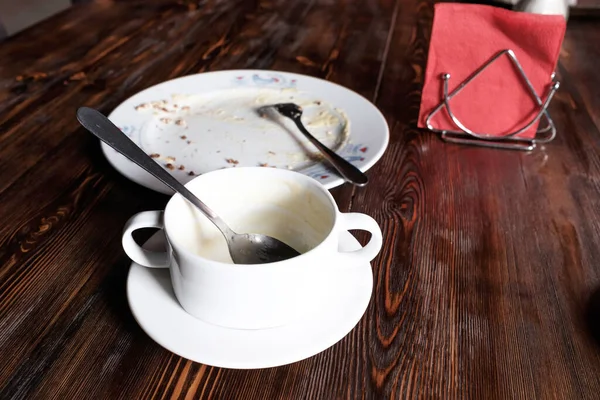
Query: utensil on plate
[(244, 248), (294, 112)]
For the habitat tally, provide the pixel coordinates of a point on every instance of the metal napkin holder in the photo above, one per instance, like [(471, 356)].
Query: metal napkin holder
[(510, 141)]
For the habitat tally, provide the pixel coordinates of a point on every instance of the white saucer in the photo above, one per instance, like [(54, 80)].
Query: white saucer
[(334, 313), (204, 122)]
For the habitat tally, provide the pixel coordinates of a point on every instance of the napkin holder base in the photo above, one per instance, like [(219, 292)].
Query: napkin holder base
[(509, 141)]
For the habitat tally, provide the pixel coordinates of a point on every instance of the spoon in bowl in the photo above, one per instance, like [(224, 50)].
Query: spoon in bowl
[(244, 248)]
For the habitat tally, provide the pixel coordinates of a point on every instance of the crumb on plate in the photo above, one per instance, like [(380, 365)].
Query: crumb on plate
[(143, 106)]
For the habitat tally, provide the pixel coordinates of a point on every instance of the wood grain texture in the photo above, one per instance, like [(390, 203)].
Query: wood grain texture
[(488, 284)]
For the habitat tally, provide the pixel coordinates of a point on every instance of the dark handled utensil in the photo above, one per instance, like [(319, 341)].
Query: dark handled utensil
[(348, 171), (245, 248)]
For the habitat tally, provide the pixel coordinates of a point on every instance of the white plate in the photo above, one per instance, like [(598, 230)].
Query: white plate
[(208, 121), (333, 313)]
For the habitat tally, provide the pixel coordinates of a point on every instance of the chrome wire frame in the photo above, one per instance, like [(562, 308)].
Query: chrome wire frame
[(508, 141)]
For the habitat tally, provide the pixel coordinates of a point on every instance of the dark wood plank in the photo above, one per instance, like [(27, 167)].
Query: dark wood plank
[(3, 33), (116, 76), (485, 285), (578, 55), (455, 276)]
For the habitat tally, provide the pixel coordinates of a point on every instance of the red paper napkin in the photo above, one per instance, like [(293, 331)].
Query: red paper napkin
[(466, 36)]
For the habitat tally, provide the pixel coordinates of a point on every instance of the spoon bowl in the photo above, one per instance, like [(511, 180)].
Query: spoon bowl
[(244, 248)]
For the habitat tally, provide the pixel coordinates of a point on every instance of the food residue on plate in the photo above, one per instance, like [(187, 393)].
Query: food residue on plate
[(324, 118), (208, 119), (143, 106)]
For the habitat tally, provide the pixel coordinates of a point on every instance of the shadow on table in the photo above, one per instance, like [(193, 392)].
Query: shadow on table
[(115, 285), (592, 315), (114, 291)]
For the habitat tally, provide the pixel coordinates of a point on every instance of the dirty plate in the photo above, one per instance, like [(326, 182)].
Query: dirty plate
[(200, 123)]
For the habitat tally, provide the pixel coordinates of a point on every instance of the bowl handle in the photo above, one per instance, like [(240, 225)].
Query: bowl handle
[(146, 258), (362, 222)]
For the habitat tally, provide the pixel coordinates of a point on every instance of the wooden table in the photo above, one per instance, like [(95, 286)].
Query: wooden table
[(487, 286)]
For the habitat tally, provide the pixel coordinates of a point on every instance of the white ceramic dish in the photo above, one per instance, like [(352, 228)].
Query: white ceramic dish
[(333, 314), (204, 122), (283, 204)]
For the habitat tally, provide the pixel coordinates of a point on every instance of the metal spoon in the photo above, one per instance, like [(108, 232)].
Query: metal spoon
[(246, 248), (294, 112)]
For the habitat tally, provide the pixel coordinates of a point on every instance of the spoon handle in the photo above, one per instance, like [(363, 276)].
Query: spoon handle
[(105, 130), (347, 170)]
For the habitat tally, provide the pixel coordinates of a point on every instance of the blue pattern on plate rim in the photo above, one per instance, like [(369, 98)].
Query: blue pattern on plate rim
[(353, 153), (265, 80), (129, 130), (134, 133)]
